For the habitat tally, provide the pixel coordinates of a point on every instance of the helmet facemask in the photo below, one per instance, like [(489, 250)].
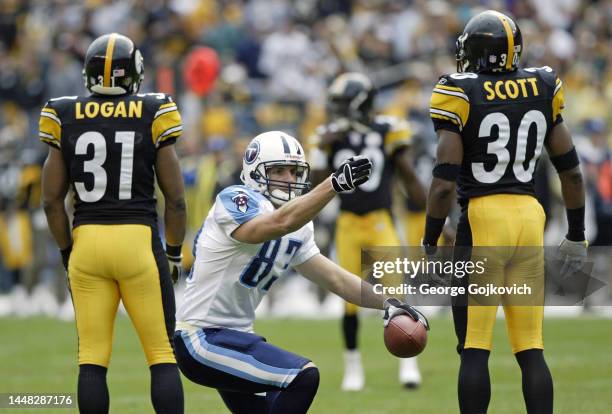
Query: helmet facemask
[(463, 63), (280, 192)]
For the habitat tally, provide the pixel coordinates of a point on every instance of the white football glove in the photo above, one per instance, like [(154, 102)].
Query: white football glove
[(393, 308), (573, 254)]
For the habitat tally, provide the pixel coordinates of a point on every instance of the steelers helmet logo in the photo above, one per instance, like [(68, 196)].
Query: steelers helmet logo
[(251, 153)]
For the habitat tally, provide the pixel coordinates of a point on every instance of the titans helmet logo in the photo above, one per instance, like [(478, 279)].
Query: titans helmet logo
[(251, 153)]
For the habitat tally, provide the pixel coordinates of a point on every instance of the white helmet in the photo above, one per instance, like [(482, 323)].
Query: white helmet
[(269, 149)]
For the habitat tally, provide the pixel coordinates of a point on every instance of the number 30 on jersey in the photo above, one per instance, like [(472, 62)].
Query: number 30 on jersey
[(500, 150)]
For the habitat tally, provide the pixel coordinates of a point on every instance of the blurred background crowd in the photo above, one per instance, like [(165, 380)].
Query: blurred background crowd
[(275, 59)]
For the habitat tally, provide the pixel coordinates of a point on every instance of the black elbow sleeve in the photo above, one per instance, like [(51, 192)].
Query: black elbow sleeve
[(446, 171), (567, 161)]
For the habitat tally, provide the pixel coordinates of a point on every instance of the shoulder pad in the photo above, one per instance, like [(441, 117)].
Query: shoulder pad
[(392, 122), (64, 98), (450, 101), (153, 101), (156, 95), (241, 202), (397, 132), (60, 103), (460, 80), (546, 73)]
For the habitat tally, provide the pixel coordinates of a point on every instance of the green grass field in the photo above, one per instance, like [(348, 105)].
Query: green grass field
[(39, 355)]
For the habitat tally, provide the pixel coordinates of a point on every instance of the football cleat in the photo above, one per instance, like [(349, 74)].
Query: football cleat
[(409, 374), (354, 377)]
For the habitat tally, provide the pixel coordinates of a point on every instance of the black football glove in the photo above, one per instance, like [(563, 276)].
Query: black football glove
[(393, 308), (352, 173), (175, 259)]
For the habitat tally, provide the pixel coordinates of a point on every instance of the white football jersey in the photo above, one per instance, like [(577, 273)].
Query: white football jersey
[(229, 278)]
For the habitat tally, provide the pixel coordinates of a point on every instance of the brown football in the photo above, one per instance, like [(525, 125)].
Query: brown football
[(405, 337)]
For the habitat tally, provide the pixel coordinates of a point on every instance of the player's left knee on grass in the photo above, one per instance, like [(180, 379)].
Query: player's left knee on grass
[(307, 379)]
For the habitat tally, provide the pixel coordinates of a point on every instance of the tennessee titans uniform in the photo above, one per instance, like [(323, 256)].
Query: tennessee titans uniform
[(229, 278), (215, 343)]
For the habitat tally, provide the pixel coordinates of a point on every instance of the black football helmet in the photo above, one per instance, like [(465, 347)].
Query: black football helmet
[(491, 41), (113, 66), (351, 95)]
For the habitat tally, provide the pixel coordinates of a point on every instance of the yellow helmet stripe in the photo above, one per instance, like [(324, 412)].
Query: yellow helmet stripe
[(510, 37), (108, 59)]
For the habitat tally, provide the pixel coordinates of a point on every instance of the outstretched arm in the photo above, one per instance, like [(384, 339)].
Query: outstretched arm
[(325, 273), (296, 213), (288, 218)]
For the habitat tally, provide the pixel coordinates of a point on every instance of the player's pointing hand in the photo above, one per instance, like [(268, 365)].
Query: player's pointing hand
[(352, 173)]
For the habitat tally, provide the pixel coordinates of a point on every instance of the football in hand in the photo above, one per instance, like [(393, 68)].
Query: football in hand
[(405, 337)]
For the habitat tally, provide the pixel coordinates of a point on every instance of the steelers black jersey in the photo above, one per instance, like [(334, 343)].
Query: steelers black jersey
[(378, 141), (109, 146), (503, 119)]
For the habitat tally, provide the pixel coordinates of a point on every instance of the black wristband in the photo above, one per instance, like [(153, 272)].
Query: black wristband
[(66, 255), (174, 251), (575, 224), (433, 229)]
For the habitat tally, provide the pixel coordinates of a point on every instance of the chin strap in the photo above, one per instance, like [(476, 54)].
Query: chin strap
[(280, 197)]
